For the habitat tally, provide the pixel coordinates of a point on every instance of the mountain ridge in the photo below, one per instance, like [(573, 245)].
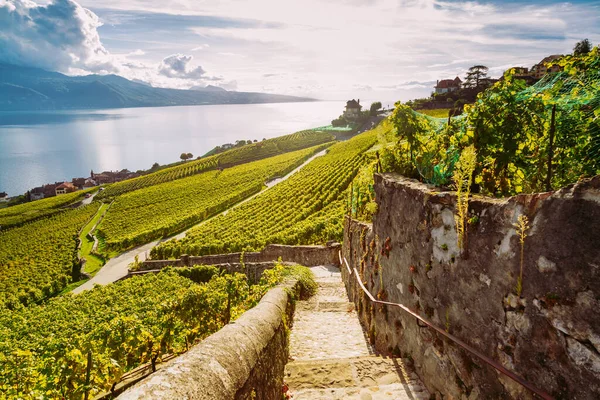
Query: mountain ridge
[(30, 89)]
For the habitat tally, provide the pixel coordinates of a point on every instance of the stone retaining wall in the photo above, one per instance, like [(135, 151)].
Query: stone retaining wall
[(215, 369), (549, 335), (309, 256)]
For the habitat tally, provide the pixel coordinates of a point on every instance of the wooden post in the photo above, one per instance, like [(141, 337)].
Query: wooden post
[(88, 374), (551, 149)]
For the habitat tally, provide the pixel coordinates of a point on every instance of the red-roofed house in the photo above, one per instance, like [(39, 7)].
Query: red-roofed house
[(64, 188), (448, 85)]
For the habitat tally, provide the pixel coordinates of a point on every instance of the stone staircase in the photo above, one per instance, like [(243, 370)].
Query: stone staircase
[(330, 357)]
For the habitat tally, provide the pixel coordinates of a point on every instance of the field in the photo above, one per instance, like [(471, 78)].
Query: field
[(44, 349), (306, 209), (23, 213), (163, 210), (36, 259), (236, 156), (436, 113)]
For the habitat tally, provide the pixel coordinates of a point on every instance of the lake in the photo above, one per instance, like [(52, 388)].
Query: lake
[(45, 147)]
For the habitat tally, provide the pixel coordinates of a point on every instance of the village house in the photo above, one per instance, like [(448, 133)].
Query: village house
[(112, 177), (89, 183), (353, 108), (546, 66), (64, 188), (448, 85)]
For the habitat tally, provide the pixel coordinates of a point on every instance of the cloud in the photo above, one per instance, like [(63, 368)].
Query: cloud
[(60, 35), (177, 66)]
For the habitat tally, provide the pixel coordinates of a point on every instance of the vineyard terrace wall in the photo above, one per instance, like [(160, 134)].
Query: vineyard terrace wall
[(215, 369), (550, 335), (308, 256)]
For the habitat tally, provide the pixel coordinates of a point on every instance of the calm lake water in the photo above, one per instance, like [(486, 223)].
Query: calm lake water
[(44, 147)]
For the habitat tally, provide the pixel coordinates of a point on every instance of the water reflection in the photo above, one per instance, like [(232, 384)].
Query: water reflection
[(54, 117), (44, 147)]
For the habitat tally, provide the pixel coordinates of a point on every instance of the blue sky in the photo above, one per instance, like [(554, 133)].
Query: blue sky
[(331, 49)]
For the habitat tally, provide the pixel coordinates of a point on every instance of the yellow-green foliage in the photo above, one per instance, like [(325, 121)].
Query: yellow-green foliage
[(23, 213), (307, 208), (162, 210), (522, 225), (43, 349), (436, 113), (463, 178), (236, 156), (36, 259)]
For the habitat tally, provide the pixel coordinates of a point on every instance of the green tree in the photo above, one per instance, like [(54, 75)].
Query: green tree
[(376, 106), (583, 47), (475, 76), (184, 156)]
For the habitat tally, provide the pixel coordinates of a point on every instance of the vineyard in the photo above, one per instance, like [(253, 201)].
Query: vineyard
[(37, 259), (236, 156), (307, 208), (163, 210), (527, 138), (23, 213), (81, 344)]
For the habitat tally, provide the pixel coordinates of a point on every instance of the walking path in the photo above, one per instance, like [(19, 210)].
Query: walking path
[(117, 267), (330, 357)]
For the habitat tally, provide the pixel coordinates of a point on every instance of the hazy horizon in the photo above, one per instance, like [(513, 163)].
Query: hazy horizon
[(322, 49)]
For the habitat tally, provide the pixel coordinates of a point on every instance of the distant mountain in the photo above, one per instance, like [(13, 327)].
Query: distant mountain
[(25, 88)]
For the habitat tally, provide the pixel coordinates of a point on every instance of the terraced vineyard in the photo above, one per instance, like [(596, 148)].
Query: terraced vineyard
[(307, 208), (36, 259), (44, 349), (236, 156), (23, 213), (162, 210)]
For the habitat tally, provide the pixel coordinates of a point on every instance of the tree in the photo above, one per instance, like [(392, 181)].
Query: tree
[(374, 108), (184, 156), (583, 47), (475, 76), (190, 156)]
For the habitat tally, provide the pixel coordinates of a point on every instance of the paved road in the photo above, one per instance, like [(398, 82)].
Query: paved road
[(89, 199), (116, 268)]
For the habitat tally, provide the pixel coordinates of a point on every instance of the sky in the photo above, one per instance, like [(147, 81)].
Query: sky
[(326, 49)]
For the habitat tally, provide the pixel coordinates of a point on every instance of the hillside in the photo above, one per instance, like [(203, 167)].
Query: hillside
[(24, 88)]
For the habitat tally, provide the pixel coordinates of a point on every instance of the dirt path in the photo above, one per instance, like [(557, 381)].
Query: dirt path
[(116, 268), (330, 357)]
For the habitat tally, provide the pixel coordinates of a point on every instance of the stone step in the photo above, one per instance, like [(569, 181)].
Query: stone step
[(380, 392), (355, 377), (325, 306)]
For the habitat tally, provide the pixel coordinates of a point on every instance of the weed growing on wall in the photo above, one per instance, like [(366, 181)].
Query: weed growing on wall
[(463, 179), (522, 225)]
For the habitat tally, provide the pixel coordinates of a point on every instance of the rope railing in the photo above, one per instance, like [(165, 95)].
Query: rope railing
[(538, 392)]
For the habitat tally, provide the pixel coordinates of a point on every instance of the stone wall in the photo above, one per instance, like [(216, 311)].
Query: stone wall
[(215, 369), (309, 256), (550, 335)]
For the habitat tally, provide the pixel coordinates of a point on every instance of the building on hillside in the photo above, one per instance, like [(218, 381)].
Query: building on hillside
[(353, 108), (3, 197), (50, 189), (112, 177), (64, 188), (89, 183), (448, 85), (36, 193), (78, 183), (520, 71), (546, 66)]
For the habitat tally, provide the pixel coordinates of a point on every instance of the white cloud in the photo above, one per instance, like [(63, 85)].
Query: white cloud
[(323, 48), (60, 35), (178, 66)]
